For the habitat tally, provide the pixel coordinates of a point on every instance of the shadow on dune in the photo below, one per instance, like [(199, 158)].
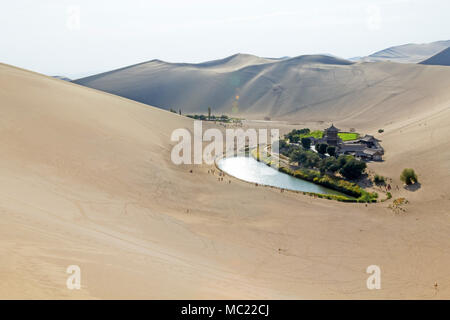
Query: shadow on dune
[(365, 181), (413, 187)]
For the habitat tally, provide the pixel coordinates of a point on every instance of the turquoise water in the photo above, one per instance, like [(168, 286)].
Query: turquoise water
[(250, 170)]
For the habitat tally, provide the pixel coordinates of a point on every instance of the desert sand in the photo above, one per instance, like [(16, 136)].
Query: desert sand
[(86, 179)]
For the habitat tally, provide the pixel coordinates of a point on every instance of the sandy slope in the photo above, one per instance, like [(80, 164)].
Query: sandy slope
[(306, 88), (87, 180)]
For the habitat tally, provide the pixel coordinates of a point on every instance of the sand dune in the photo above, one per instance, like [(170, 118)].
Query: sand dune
[(440, 59), (407, 53), (263, 88), (87, 180), (307, 88), (231, 63)]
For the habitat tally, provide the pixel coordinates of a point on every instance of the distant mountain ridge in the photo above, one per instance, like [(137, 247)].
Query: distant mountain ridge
[(407, 53), (440, 59)]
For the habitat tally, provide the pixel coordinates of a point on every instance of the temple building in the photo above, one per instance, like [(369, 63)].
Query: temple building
[(331, 136), (365, 148)]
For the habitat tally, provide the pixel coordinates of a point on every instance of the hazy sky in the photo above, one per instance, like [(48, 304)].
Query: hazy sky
[(77, 38)]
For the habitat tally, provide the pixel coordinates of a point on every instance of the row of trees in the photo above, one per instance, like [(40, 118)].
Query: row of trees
[(321, 148), (223, 117), (203, 117), (174, 111), (296, 135), (346, 165)]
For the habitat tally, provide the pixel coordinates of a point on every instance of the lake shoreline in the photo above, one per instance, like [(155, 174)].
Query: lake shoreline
[(333, 195)]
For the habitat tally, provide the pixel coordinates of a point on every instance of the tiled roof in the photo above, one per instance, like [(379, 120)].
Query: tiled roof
[(332, 128)]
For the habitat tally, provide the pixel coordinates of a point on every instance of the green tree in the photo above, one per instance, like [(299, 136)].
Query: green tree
[(322, 148), (294, 138), (283, 144), (353, 168), (296, 134), (329, 164), (303, 131), (280, 146), (331, 150), (307, 159), (312, 160), (306, 143), (408, 176), (298, 155), (342, 160)]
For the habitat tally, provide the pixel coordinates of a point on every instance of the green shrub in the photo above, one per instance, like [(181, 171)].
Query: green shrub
[(379, 179), (365, 197), (408, 176), (340, 185)]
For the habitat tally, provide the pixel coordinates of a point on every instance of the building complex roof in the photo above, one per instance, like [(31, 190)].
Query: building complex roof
[(369, 138), (332, 129)]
